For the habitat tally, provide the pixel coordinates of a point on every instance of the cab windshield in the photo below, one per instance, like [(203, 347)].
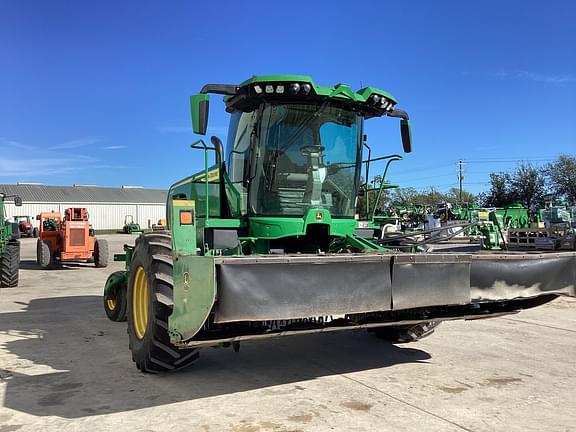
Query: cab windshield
[(307, 157)]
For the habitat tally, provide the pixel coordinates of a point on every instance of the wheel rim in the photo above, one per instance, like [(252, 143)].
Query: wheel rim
[(140, 303), (111, 302)]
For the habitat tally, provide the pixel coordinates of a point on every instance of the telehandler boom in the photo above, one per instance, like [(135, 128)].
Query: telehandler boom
[(263, 242)]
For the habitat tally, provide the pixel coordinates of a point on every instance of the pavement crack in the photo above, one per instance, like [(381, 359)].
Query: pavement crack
[(416, 407), (397, 399), (539, 324)]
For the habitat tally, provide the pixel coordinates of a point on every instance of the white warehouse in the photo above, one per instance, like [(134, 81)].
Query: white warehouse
[(107, 207)]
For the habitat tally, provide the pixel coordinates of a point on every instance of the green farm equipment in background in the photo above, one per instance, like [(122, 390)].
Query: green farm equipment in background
[(490, 226), (131, 227), (501, 221), (514, 216), (9, 246), (553, 228), (263, 242), (554, 215)]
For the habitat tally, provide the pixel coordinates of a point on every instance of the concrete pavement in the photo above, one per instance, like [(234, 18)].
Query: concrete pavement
[(65, 367)]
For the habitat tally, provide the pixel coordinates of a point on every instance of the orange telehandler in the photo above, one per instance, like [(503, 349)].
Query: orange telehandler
[(69, 239)]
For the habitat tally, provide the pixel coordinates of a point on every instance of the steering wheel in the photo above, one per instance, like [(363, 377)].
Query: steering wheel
[(306, 150)]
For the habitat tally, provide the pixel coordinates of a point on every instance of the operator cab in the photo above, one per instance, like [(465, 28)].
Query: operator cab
[(284, 159), (295, 146), (292, 164)]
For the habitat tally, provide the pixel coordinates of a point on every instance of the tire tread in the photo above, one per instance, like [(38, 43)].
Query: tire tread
[(405, 334), (160, 356), (9, 265)]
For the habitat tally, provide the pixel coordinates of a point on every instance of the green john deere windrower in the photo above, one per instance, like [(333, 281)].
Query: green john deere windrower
[(263, 242)]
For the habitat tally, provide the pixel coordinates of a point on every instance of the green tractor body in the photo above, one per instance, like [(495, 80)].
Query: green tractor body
[(9, 246), (264, 241), (131, 227)]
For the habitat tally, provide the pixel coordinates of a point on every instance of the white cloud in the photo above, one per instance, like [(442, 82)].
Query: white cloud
[(538, 77), (15, 144), (114, 147), (112, 167), (42, 167), (550, 79), (80, 142)]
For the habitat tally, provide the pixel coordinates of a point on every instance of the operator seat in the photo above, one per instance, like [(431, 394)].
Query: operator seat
[(288, 185)]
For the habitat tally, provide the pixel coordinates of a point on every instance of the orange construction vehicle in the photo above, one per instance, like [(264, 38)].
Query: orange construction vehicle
[(69, 239)]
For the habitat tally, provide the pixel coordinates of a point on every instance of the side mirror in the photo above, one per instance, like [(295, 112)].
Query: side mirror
[(17, 201), (406, 135), (199, 105)]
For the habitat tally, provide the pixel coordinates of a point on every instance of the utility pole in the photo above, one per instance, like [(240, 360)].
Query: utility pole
[(460, 178)]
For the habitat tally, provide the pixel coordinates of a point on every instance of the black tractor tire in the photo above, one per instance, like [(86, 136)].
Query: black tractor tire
[(408, 333), (35, 232), (115, 303), (153, 352), (44, 256), (101, 253), (9, 265), (15, 231)]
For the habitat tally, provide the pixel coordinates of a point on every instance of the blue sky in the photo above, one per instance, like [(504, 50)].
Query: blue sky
[(97, 92)]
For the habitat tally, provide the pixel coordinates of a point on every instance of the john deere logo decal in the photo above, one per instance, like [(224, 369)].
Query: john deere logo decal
[(319, 216)]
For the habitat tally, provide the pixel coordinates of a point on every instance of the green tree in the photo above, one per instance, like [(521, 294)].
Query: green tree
[(527, 186), (372, 194), (432, 197), (561, 175), (403, 197), (453, 196), (500, 193), (377, 180)]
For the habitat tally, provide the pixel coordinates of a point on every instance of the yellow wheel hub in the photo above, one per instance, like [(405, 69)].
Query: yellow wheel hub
[(140, 303), (111, 302)]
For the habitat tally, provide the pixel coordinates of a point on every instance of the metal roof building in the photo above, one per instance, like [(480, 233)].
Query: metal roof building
[(107, 207)]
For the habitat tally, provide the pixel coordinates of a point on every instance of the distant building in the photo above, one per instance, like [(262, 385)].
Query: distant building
[(107, 207)]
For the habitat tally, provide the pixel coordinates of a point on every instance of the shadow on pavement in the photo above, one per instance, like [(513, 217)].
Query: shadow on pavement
[(64, 358), (33, 265)]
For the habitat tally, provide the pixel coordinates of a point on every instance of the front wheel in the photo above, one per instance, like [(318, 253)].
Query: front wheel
[(43, 253), (115, 299), (35, 232), (150, 303), (408, 333), (100, 255)]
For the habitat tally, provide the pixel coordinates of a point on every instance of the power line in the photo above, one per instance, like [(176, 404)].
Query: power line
[(407, 169), (393, 177), (421, 186), (460, 164), (481, 161), (429, 167), (515, 158)]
